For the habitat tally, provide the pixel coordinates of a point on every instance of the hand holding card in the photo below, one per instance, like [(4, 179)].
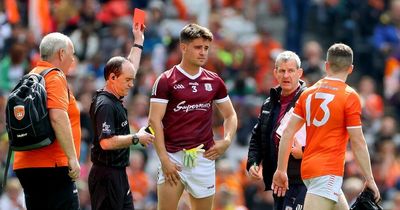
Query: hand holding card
[(139, 17), (149, 130)]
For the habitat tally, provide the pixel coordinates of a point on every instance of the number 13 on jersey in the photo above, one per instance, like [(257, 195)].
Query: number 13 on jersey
[(327, 98)]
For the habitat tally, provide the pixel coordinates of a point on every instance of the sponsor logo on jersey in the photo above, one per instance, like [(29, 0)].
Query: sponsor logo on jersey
[(123, 124), (208, 87), (179, 86), (106, 128), (192, 107), (193, 83)]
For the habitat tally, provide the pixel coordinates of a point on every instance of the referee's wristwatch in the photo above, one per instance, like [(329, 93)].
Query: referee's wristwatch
[(135, 139)]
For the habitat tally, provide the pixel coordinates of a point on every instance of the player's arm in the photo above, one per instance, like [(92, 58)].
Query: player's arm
[(286, 141), (124, 141), (361, 154), (280, 182), (57, 101), (116, 142), (254, 155), (135, 53), (230, 125), (61, 125), (156, 114)]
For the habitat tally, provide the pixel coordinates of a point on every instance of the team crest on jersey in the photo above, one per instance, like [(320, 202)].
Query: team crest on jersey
[(208, 86), (106, 128), (19, 112)]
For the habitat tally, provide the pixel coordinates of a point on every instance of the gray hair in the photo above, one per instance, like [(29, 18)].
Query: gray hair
[(285, 56), (51, 44)]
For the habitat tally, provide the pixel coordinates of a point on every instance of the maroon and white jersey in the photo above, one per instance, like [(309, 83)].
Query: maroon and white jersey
[(188, 117)]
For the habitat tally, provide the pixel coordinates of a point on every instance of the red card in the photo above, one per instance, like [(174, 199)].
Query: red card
[(139, 16)]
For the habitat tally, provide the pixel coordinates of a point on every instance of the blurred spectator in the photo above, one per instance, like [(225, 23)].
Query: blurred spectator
[(371, 103), (40, 19), (3, 100), (198, 11), (13, 66), (385, 37), (5, 28), (153, 33), (396, 201), (330, 22), (87, 131), (395, 103), (139, 181), (388, 129), (84, 196), (138, 110), (391, 78), (313, 63), (114, 39), (113, 10), (13, 197), (296, 16), (63, 11), (227, 181), (86, 15), (3, 158), (264, 51), (365, 16), (225, 200), (86, 41), (257, 198), (389, 166)]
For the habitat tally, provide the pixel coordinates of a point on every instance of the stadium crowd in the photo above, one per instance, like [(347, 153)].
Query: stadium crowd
[(248, 35)]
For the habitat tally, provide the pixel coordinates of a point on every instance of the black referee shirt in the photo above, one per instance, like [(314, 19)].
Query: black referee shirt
[(109, 118)]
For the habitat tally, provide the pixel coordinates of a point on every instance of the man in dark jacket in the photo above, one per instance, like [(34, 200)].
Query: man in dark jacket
[(264, 141)]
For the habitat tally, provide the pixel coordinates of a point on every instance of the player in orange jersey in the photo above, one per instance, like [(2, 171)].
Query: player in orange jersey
[(332, 112)]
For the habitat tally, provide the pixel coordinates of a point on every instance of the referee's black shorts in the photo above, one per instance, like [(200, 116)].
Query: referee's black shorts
[(48, 188), (109, 188)]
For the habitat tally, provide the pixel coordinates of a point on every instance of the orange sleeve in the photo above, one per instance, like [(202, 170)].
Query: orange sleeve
[(298, 108), (353, 110), (57, 93)]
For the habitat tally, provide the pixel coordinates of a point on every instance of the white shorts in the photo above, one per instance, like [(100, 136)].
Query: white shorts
[(198, 181), (328, 186)]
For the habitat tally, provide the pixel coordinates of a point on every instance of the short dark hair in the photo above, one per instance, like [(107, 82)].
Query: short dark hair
[(194, 31), (114, 65), (339, 57)]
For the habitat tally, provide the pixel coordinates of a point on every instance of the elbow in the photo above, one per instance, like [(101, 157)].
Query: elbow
[(55, 115), (357, 144), (104, 144)]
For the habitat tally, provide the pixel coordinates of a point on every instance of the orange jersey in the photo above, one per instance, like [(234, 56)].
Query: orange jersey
[(57, 98), (329, 107)]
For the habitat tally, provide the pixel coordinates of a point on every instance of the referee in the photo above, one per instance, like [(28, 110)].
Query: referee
[(108, 182)]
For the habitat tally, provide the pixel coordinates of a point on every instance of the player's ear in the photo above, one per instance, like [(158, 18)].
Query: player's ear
[(112, 76), (183, 47), (350, 70), (300, 72)]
